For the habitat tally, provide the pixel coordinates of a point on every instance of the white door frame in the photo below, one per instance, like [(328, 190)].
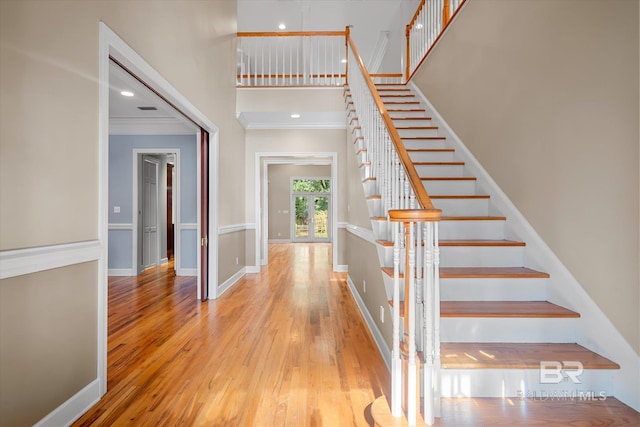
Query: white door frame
[(310, 197), (110, 44), (262, 196), (176, 194)]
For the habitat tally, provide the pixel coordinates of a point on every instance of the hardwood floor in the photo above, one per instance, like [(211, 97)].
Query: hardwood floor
[(285, 347)]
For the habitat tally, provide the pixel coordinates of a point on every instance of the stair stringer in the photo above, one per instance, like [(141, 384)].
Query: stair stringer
[(594, 330)]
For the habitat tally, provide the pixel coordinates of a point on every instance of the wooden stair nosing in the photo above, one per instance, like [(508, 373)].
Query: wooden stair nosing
[(430, 150), (473, 218), (502, 309), (439, 163), (491, 273), (462, 196), (412, 118), (416, 128), (427, 138), (405, 110), (484, 273), (454, 355), (448, 178), (401, 103)]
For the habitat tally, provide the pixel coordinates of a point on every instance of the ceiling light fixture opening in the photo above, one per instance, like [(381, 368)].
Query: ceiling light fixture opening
[(126, 93), (344, 61), (282, 27), (295, 116)]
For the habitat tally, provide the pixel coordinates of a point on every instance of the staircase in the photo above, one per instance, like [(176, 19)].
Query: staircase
[(497, 326)]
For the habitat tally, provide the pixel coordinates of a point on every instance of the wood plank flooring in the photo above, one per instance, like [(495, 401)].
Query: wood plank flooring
[(285, 347)]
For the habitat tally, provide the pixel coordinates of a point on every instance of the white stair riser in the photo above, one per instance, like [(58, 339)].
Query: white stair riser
[(365, 171), (422, 121), (493, 289), (462, 207), (370, 188), (362, 157), (472, 229), (408, 113), (424, 143), (474, 256), (375, 207), (431, 156), (518, 329), (394, 91), (481, 256), (426, 171), (450, 188), (405, 133), (525, 384), (381, 229)]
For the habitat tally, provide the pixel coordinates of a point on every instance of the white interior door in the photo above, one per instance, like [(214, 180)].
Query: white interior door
[(150, 240)]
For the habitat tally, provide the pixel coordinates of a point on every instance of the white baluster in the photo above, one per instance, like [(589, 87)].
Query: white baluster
[(410, 311), (396, 364)]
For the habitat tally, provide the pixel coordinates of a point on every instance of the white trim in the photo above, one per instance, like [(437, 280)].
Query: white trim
[(261, 188), (234, 228), (189, 272), (252, 269), (122, 272), (363, 233), (148, 126), (279, 240), (341, 268), (164, 261), (227, 284), (19, 262), (120, 226), (342, 224), (111, 44), (134, 206), (594, 330), (73, 408), (371, 324), (188, 226)]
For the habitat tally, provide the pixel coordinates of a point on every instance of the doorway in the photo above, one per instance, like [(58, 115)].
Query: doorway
[(310, 209), (149, 214)]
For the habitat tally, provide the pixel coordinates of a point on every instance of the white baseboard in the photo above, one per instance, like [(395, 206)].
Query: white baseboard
[(227, 284), (187, 272), (252, 269), (594, 329), (164, 261), (121, 272), (341, 268), (373, 328), (74, 407)]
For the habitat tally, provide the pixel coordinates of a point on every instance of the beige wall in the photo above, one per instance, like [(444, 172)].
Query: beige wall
[(279, 177), (48, 340), (232, 255), (545, 95), (49, 162)]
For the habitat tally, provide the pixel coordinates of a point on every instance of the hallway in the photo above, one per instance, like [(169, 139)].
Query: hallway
[(284, 347)]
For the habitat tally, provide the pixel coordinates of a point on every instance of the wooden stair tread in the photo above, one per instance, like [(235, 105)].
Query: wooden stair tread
[(480, 242), (465, 355), (463, 196), (404, 110), (400, 89), (483, 273), (411, 118), (416, 127), (374, 197), (473, 218), (490, 272), (512, 309), (430, 150), (397, 95), (401, 102), (448, 178), (439, 163)]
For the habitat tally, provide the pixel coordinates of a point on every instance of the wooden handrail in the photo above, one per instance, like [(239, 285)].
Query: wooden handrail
[(290, 33), (416, 183), (415, 15), (445, 13)]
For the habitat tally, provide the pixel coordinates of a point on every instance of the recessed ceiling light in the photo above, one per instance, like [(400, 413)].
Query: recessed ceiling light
[(295, 116), (126, 93), (344, 61), (282, 26)]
